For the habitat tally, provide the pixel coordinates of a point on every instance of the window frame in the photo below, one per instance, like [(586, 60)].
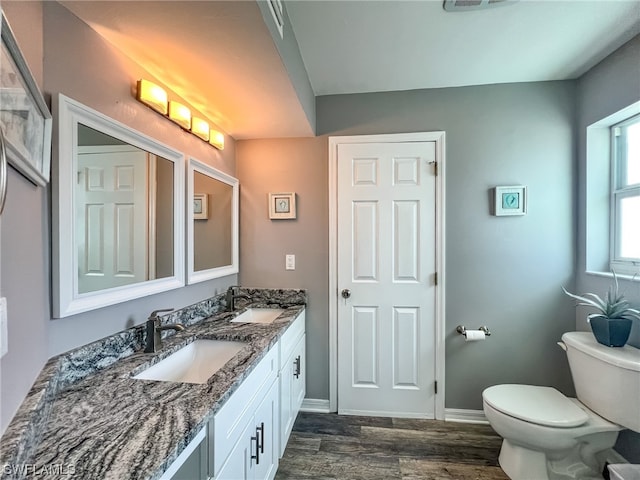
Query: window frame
[(618, 192)]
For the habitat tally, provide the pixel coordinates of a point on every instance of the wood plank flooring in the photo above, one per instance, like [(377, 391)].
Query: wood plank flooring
[(337, 447)]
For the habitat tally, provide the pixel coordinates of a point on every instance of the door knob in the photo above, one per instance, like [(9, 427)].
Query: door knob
[(346, 293)]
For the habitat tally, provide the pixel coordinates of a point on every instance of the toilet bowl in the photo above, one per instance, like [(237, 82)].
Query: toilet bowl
[(547, 435), (542, 429)]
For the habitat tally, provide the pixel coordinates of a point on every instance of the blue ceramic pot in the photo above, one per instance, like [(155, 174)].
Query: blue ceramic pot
[(612, 332)]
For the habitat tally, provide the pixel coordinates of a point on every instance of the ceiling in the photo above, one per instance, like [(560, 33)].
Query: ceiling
[(220, 57)]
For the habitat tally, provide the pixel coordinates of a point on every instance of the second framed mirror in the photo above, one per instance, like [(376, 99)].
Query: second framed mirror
[(212, 223)]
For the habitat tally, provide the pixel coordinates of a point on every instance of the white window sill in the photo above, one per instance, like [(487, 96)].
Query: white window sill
[(621, 276)]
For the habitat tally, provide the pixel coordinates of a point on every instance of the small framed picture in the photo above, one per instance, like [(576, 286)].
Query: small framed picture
[(200, 204), (282, 206), (511, 200)]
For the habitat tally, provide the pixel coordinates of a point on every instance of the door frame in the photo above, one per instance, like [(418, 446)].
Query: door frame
[(439, 138)]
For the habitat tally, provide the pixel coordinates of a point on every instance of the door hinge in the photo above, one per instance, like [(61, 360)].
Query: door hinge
[(435, 278), (435, 167), (617, 132), (435, 387)]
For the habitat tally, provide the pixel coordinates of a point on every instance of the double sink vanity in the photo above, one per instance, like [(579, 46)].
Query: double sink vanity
[(208, 391), (217, 400)]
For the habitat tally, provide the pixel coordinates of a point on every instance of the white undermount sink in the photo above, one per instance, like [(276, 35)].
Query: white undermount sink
[(258, 315), (193, 363)]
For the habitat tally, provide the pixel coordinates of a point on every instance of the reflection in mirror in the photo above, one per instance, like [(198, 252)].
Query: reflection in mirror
[(212, 223), (212, 230), (118, 212), (124, 213)]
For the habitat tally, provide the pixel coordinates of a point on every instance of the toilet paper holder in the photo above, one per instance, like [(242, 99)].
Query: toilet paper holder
[(462, 330)]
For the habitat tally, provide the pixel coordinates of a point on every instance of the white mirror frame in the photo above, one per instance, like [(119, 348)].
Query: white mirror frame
[(217, 272), (66, 299)]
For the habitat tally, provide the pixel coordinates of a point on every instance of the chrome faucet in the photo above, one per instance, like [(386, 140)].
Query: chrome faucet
[(154, 339), (231, 297)]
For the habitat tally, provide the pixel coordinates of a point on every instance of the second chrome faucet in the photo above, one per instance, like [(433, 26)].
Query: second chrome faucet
[(154, 339)]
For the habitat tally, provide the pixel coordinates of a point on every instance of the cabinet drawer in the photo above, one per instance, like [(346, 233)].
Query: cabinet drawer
[(290, 338), (229, 422)]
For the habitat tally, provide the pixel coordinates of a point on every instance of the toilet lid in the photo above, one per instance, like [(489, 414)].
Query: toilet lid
[(540, 405)]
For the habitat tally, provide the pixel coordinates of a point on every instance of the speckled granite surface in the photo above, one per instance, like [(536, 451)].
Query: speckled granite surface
[(86, 418)]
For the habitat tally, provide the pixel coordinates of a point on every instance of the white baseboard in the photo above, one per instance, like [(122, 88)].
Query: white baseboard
[(464, 416), (614, 457), (316, 405)]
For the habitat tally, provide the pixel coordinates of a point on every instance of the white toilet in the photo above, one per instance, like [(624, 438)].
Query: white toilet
[(549, 436)]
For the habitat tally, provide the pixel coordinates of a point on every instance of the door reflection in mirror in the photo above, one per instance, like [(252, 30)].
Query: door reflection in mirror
[(124, 213)]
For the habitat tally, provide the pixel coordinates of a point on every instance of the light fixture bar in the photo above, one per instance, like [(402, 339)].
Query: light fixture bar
[(155, 97)]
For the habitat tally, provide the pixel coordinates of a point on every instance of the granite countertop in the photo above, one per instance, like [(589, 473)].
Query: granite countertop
[(108, 425)]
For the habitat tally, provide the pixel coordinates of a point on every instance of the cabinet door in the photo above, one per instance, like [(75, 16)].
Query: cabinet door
[(239, 464), (286, 407), (298, 389), (266, 422), (292, 391)]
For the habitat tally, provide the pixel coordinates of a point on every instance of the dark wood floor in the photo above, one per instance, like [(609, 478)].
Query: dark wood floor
[(329, 446)]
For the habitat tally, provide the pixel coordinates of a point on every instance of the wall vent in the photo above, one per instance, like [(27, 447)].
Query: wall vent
[(466, 5)]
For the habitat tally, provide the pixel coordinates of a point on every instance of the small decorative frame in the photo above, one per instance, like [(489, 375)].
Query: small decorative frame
[(24, 117), (510, 200), (200, 206), (282, 206)]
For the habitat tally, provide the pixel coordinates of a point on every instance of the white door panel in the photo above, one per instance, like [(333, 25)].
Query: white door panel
[(386, 259), (112, 185)]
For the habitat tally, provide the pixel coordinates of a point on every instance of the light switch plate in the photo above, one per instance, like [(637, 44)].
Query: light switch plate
[(4, 344), (290, 262)]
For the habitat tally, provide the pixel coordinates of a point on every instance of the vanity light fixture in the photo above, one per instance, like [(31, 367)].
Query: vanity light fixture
[(200, 128), (155, 97), (152, 95), (180, 114), (216, 139)]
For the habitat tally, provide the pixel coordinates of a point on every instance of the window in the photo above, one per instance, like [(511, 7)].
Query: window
[(625, 196)]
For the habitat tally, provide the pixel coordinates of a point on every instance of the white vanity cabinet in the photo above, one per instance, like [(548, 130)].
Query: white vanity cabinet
[(291, 377), (243, 436), (248, 435)]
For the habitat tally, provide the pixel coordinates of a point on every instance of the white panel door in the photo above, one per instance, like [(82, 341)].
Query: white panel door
[(111, 217), (386, 266)]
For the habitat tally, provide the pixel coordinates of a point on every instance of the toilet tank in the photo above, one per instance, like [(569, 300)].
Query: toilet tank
[(607, 379)]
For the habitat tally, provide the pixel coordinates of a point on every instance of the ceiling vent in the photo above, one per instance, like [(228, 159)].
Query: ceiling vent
[(276, 9), (467, 5)]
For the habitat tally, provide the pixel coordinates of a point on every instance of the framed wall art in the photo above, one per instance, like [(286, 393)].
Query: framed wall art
[(200, 206), (25, 119), (510, 200), (282, 206)]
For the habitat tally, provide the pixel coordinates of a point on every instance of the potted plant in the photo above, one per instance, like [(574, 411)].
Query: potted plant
[(611, 324)]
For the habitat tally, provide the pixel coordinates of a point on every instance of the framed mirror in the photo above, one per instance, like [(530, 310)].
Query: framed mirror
[(212, 223), (118, 212)]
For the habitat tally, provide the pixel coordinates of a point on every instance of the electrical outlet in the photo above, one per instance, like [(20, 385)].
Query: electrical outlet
[(4, 344), (290, 262)]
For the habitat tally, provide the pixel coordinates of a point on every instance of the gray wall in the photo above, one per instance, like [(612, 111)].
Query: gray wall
[(289, 165), (80, 64), (608, 87), (502, 272), (24, 246)]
